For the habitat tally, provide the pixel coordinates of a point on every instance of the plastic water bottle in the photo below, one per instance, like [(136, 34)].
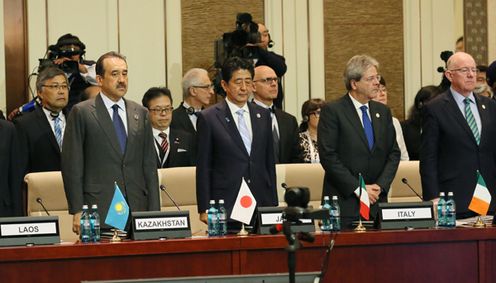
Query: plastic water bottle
[(213, 219), (95, 223), (441, 210), (450, 211), (222, 217), (335, 214), (85, 228), (326, 223)]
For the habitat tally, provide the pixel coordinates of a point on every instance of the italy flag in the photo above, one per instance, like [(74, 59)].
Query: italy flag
[(482, 198)]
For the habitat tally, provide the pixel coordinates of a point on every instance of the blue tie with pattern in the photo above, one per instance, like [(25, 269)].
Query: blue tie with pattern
[(367, 126), (243, 130), (119, 128), (58, 130), (471, 120)]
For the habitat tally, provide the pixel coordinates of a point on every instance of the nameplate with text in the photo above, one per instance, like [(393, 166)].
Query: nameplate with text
[(270, 216), (148, 225), (34, 230), (406, 215)]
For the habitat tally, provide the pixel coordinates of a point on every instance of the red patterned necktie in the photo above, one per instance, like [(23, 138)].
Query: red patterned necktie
[(164, 145)]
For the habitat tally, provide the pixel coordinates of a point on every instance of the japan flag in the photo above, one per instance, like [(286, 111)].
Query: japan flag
[(245, 204)]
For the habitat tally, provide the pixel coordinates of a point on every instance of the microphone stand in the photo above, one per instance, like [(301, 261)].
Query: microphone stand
[(293, 245)]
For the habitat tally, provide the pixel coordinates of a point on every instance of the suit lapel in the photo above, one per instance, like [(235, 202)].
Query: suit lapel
[(133, 118), (256, 125), (377, 119), (45, 126), (484, 116), (455, 112), (351, 114), (226, 119), (103, 118)]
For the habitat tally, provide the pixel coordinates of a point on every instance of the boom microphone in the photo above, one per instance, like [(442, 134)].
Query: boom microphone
[(162, 188), (405, 181), (40, 201)]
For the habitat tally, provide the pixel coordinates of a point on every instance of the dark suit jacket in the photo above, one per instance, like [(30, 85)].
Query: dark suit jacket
[(10, 182), (344, 153), (223, 160), (181, 121), (39, 149), (450, 156), (288, 137), (181, 150), (411, 134), (92, 160)]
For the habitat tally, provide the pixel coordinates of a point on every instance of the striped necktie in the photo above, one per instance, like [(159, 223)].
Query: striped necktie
[(243, 130), (165, 144), (469, 116), (58, 130)]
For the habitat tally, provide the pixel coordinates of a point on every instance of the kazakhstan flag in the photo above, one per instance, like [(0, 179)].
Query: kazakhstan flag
[(118, 211)]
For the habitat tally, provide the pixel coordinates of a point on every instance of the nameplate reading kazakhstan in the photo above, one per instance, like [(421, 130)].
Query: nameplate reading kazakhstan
[(28, 229), (161, 223)]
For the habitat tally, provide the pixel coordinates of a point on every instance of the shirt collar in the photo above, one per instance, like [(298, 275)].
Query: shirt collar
[(156, 132), (109, 103), (357, 104), (460, 98), (233, 107)]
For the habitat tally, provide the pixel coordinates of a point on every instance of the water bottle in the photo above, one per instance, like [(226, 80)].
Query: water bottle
[(450, 211), (95, 224), (85, 228), (441, 211), (213, 220), (222, 216), (335, 214), (326, 223)]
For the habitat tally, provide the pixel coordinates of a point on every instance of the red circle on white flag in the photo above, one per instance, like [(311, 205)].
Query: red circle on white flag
[(246, 201)]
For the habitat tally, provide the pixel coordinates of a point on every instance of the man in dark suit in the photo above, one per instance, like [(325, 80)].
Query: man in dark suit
[(236, 143), (109, 139), (197, 92), (458, 138), (10, 183), (356, 135), (174, 147), (41, 131), (284, 126)]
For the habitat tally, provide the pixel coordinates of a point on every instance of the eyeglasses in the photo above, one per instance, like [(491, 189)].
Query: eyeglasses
[(57, 87), (158, 111), (268, 81), (316, 113), (465, 70), (371, 78), (211, 86)]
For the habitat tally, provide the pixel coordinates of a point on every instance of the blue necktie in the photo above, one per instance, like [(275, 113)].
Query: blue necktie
[(367, 127), (58, 130), (119, 128), (243, 130)]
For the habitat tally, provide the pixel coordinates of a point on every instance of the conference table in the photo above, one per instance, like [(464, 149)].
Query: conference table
[(423, 255)]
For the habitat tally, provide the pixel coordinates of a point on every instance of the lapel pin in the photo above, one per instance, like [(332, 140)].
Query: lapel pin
[(377, 115), (483, 106), (258, 115), (136, 117), (176, 141), (227, 120)]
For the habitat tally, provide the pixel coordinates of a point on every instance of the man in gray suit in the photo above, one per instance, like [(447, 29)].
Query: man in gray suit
[(109, 139), (356, 135)]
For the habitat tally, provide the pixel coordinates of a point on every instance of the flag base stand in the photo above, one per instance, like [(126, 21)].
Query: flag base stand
[(360, 228), (479, 223), (115, 238), (243, 231)]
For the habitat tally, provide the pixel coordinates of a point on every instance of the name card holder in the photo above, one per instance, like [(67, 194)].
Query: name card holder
[(148, 225), (270, 216), (31, 230), (401, 215)]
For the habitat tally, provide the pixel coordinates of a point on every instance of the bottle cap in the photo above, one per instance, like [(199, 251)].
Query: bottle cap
[(326, 197), (221, 201), (85, 206), (334, 197), (94, 206), (212, 201), (441, 194), (450, 194)]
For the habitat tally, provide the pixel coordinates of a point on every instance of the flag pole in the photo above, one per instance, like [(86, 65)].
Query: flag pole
[(360, 227), (479, 223), (242, 232)]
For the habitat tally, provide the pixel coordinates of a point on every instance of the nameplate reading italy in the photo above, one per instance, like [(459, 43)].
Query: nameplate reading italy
[(156, 225), (406, 215), (29, 230)]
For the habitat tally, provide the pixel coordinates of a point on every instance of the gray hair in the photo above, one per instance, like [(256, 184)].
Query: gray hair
[(192, 78), (355, 68), (46, 74)]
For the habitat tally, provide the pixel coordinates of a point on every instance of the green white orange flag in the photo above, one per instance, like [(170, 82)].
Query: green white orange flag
[(364, 198), (481, 198)]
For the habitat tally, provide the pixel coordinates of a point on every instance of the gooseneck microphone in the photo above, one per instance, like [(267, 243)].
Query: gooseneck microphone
[(40, 201), (405, 181), (285, 186), (162, 188)]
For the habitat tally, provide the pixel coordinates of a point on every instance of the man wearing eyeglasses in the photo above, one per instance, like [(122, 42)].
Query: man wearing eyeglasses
[(197, 92), (356, 136), (284, 126), (174, 147), (235, 142), (41, 131), (458, 138)]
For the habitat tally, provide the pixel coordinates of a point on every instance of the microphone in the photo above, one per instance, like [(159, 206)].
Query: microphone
[(40, 201), (405, 181), (162, 188), (284, 186)]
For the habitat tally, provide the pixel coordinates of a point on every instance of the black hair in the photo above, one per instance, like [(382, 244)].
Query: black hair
[(99, 64), (153, 93), (233, 64), (308, 107)]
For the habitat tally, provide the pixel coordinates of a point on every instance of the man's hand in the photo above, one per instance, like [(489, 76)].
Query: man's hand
[(76, 223), (204, 217), (373, 191)]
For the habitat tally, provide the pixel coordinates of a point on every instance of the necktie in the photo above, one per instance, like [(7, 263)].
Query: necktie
[(243, 130), (119, 128), (275, 139), (164, 145), (58, 130), (367, 126), (471, 120)]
